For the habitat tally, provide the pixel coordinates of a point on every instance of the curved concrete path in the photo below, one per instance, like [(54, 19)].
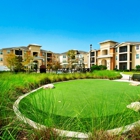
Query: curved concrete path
[(72, 134)]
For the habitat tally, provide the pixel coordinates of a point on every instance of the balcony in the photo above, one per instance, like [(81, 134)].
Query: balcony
[(38, 58), (49, 54), (92, 61), (92, 54), (105, 56), (123, 57), (123, 49)]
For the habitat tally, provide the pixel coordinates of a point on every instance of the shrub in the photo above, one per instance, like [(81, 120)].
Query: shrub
[(96, 67), (102, 67), (138, 67)]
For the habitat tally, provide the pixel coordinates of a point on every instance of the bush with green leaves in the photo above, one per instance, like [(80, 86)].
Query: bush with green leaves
[(96, 67), (138, 67)]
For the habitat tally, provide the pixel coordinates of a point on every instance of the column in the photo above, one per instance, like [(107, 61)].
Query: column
[(118, 57), (128, 57), (108, 64)]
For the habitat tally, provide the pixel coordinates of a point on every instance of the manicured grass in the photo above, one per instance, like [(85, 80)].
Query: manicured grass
[(83, 105), (131, 72), (13, 85)]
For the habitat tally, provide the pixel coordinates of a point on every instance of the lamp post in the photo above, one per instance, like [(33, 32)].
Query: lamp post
[(90, 54)]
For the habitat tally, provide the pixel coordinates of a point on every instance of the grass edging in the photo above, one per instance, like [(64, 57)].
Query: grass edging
[(64, 133)]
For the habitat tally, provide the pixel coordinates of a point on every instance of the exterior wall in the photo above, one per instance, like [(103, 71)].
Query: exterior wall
[(112, 61), (135, 61), (116, 59), (106, 54), (4, 56), (63, 60), (1, 58), (107, 44), (86, 60), (108, 62), (33, 48)]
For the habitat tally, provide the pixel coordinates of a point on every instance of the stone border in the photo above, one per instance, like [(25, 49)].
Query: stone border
[(65, 133)]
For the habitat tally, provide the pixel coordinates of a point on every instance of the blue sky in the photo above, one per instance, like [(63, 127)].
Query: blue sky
[(61, 25)]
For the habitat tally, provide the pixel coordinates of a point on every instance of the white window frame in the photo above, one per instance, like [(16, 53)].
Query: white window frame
[(137, 47), (137, 56)]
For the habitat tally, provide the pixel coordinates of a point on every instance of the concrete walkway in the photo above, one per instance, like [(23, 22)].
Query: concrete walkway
[(126, 78)]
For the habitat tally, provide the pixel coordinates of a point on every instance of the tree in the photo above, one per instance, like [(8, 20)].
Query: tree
[(54, 64), (27, 62), (11, 61), (14, 62), (17, 63), (71, 58)]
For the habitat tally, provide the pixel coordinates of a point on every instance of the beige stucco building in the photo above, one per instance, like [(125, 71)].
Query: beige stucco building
[(40, 57), (123, 56), (114, 55)]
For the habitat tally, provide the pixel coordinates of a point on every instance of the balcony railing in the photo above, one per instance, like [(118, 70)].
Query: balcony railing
[(123, 50), (105, 56), (123, 59)]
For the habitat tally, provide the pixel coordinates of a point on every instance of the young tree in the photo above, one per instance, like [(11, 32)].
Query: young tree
[(28, 61), (14, 62), (71, 58), (11, 61), (54, 64)]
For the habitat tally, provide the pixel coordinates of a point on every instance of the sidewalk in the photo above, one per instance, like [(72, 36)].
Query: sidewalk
[(126, 78)]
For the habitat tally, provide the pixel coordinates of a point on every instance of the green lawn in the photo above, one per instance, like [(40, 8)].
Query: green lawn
[(131, 73), (83, 105)]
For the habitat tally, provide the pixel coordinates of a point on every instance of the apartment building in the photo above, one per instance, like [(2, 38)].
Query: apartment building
[(40, 57), (123, 56), (81, 59)]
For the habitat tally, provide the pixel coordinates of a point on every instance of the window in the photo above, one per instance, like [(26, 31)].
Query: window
[(0, 52), (137, 47), (35, 54), (116, 57), (64, 56), (137, 56), (8, 51), (18, 52), (81, 55), (43, 53), (1, 59), (116, 50)]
